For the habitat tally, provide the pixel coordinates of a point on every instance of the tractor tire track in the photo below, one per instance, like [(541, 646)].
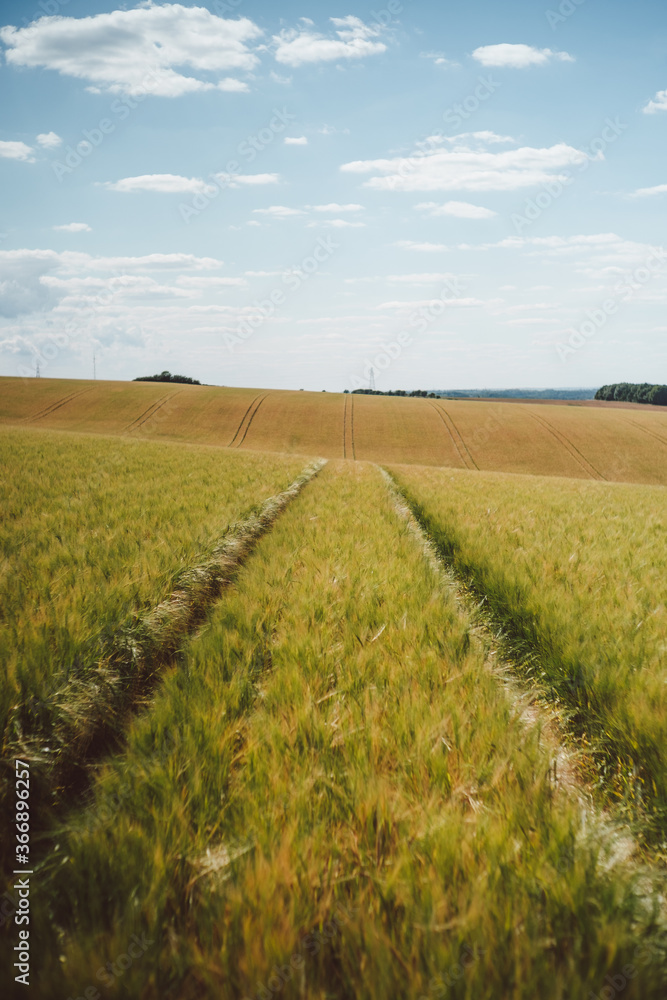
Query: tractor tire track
[(261, 397), (345, 427), (151, 411), (252, 417), (658, 437), (48, 410), (354, 448), (467, 461), (62, 744), (572, 449), (533, 706)]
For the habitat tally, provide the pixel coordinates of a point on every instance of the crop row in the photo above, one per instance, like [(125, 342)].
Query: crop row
[(331, 795), (575, 574)]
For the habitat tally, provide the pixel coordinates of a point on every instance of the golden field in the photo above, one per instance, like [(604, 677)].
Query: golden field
[(413, 747), (603, 442)]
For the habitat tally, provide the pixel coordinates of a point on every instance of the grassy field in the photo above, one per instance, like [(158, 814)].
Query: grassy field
[(576, 574), (317, 783), (94, 531), (575, 441), (332, 796)]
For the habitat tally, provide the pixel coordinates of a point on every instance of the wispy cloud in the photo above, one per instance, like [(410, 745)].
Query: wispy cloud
[(468, 166), (650, 191), (440, 59), (337, 224), (160, 183), (74, 227), (336, 208), (458, 209), (247, 180), (278, 211), (659, 103), (421, 247), (16, 151), (517, 56), (354, 40)]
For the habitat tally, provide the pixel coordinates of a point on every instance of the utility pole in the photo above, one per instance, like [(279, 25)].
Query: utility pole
[(94, 367)]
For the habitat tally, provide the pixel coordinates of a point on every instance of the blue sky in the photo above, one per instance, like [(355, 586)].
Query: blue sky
[(284, 195)]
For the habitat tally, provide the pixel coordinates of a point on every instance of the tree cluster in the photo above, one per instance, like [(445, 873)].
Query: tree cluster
[(395, 392), (633, 392), (168, 377)]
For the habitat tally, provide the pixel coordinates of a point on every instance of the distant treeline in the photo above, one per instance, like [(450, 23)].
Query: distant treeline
[(634, 392), (167, 377), (518, 393), (394, 392)]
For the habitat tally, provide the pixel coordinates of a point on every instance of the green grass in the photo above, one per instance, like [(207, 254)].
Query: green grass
[(96, 530), (332, 783), (576, 575)]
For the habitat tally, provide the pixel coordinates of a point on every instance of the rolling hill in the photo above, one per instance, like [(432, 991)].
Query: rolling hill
[(603, 442)]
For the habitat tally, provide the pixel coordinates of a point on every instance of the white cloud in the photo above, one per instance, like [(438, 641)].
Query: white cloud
[(648, 192), (468, 166), (230, 85), (415, 303), (192, 281), (161, 183), (659, 103), (439, 59), (418, 279), (517, 56), (74, 227), (241, 180), (338, 224), (300, 140), (49, 140), (332, 130), (459, 209), (22, 288), (88, 294), (135, 51), (334, 207), (421, 247), (16, 151), (148, 262), (278, 211), (354, 40)]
